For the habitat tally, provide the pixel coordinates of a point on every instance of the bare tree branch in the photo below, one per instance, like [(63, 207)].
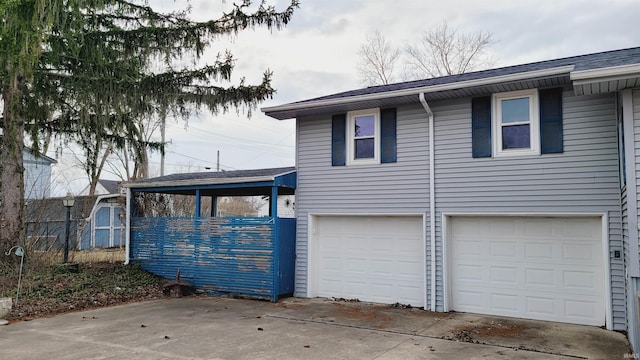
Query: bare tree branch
[(444, 51), (378, 58)]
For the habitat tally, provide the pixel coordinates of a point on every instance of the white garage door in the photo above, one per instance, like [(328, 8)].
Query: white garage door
[(529, 267), (370, 258)]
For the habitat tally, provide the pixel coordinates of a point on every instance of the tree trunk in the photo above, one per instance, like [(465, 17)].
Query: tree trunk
[(12, 230)]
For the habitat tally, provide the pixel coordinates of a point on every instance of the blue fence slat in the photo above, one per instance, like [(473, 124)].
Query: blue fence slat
[(287, 251), (217, 255)]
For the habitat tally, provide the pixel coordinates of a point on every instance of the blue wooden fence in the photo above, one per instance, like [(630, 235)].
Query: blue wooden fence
[(250, 256)]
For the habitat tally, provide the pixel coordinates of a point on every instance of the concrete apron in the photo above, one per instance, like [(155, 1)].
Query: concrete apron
[(223, 328), (512, 333)]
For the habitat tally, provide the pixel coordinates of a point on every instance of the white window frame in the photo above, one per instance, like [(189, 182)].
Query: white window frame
[(351, 151), (534, 123)]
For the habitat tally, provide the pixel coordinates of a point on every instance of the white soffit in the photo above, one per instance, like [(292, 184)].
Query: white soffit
[(605, 80)]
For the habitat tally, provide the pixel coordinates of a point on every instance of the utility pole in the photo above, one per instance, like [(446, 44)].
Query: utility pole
[(162, 127), (218, 162)]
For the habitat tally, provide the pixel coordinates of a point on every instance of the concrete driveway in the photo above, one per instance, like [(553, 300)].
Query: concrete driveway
[(223, 328)]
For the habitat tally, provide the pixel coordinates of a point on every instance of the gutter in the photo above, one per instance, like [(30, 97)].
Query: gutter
[(613, 71), (432, 200), (273, 110)]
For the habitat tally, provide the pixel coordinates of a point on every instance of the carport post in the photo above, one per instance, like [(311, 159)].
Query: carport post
[(214, 206), (197, 202), (276, 243)]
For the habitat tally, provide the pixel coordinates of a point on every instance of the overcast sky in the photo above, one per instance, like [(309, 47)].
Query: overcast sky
[(316, 54)]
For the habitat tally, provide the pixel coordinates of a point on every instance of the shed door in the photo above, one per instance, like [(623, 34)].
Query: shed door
[(370, 258), (108, 228), (528, 267)]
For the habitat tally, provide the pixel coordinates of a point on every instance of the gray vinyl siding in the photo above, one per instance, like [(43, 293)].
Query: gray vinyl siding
[(583, 179), (392, 188), (37, 176)]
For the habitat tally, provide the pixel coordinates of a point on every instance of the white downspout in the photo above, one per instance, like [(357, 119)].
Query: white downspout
[(432, 200), (127, 226)]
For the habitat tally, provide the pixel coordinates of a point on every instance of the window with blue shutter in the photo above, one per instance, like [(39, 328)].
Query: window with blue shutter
[(481, 127), (551, 140), (364, 137), (388, 147), (338, 140), (517, 123)]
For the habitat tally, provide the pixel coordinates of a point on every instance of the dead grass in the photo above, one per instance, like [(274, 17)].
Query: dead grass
[(97, 255)]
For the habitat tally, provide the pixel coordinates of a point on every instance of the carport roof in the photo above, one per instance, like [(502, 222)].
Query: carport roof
[(237, 179)]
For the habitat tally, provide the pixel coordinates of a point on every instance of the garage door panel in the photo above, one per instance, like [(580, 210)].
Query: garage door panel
[(557, 278), (379, 258), (504, 275)]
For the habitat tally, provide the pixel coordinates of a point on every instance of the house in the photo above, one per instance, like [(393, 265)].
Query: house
[(286, 207), (37, 175), (511, 191), (45, 222), (174, 225)]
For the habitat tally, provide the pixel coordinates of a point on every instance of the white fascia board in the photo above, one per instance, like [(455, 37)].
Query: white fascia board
[(613, 72), (195, 182), (425, 89)]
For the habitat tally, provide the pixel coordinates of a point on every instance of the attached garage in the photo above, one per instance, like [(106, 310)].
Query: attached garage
[(370, 258), (544, 268)]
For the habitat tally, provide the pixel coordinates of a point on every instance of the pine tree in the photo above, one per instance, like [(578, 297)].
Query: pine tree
[(83, 69)]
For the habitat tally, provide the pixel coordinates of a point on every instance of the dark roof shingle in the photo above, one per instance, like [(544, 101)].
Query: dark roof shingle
[(581, 62)]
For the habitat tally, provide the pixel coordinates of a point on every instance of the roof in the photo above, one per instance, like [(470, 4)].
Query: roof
[(52, 209), (284, 176), (38, 157), (112, 186), (591, 73)]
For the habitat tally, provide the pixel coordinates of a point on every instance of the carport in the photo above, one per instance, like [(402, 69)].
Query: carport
[(239, 255)]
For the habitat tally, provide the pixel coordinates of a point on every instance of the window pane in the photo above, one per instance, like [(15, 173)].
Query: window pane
[(515, 110), (516, 137), (365, 148), (365, 126)]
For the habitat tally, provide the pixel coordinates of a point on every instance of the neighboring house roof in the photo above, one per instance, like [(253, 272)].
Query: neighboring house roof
[(52, 209), (212, 178), (39, 157), (104, 187), (111, 186), (592, 73)]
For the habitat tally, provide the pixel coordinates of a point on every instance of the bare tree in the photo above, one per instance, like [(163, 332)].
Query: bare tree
[(445, 51), (378, 57)]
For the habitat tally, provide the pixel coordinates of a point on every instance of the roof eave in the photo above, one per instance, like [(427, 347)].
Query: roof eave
[(603, 80), (283, 112), (203, 181)]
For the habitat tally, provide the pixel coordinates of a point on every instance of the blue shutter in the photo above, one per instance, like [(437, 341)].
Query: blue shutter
[(481, 127), (338, 140), (388, 148), (551, 121)]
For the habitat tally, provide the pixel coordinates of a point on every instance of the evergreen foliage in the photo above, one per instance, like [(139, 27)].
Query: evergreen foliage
[(88, 70)]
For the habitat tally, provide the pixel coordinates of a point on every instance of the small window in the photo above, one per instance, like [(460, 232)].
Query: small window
[(516, 123), (364, 136)]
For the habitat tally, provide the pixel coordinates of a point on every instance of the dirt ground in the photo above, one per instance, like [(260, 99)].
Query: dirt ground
[(98, 279)]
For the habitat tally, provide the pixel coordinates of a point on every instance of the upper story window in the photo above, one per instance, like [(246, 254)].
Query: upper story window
[(364, 137), (363, 132), (516, 123)]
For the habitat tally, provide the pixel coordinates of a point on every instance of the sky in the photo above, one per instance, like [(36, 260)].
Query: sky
[(316, 54)]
